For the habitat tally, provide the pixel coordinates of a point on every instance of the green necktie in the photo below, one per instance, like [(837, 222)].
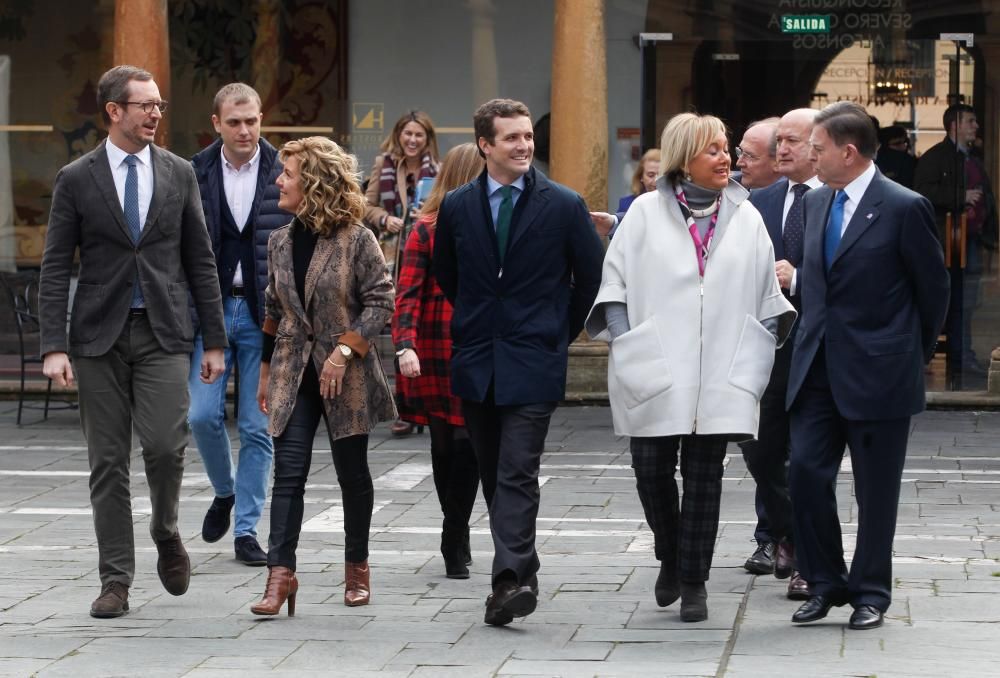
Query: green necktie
[(504, 215)]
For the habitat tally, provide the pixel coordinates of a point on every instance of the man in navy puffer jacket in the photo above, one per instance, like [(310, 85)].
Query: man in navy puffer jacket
[(236, 177)]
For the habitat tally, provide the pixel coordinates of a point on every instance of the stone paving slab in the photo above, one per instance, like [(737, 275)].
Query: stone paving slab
[(596, 614)]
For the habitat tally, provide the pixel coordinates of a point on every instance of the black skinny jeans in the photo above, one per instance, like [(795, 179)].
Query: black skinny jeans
[(292, 459)]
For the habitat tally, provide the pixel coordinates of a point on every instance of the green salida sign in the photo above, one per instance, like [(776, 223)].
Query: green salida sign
[(805, 23)]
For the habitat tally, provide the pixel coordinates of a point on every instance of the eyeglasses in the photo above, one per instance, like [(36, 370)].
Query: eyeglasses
[(740, 153), (147, 106)]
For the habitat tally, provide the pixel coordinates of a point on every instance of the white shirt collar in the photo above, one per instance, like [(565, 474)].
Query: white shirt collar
[(116, 156), (812, 182), (244, 167), (493, 185), (856, 189)]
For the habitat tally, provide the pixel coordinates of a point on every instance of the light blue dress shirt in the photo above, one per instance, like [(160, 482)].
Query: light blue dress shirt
[(493, 187)]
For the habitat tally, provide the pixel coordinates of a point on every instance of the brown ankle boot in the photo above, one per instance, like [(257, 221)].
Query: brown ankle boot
[(281, 586), (357, 584)]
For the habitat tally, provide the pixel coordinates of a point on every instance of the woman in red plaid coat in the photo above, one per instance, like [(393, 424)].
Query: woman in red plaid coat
[(422, 335)]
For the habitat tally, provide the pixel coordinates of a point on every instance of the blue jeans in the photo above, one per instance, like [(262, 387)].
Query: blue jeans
[(248, 481)]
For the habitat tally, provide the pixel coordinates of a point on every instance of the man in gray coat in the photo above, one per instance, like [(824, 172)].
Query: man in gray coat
[(133, 212)]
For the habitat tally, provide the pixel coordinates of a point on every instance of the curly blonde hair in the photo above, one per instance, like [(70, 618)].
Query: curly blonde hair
[(331, 194)]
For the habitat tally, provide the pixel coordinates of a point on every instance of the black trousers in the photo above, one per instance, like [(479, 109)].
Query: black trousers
[(683, 532), (292, 459), (878, 452), (456, 479), (508, 441), (767, 457)]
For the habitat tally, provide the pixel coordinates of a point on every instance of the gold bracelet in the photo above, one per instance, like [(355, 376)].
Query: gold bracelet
[(335, 364)]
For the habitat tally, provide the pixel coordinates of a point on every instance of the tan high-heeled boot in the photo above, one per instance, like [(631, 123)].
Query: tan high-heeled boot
[(281, 586), (357, 584)]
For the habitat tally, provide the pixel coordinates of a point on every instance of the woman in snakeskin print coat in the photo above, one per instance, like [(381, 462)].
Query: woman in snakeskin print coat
[(328, 296)]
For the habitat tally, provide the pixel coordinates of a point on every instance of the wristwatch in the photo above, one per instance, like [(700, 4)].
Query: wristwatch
[(345, 351), (399, 353)]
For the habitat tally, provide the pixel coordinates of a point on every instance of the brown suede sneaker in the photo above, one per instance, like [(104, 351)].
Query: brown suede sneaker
[(113, 601), (173, 565)]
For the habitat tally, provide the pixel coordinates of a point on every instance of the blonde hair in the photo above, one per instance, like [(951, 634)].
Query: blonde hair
[(685, 136), (331, 194), (652, 155), (461, 165)]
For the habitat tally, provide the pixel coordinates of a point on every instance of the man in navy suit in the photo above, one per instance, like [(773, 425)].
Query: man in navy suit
[(781, 206), (518, 258), (874, 297)]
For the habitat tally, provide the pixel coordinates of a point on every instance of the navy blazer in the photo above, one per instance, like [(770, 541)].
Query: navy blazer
[(265, 215), (770, 202), (880, 308), (512, 324)]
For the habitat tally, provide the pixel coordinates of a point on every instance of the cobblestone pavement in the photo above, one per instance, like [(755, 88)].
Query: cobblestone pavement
[(596, 615)]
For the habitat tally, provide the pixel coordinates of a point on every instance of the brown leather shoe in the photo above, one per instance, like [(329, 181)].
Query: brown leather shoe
[(113, 601), (798, 588), (281, 585), (173, 565), (357, 584), (784, 560)]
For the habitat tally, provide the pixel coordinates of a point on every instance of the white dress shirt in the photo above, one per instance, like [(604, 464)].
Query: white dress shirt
[(793, 287), (144, 172), (855, 191), (790, 196), (240, 187)]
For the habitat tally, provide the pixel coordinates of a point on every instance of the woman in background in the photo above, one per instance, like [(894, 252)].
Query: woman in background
[(643, 181), (409, 156), (422, 334), (328, 297)]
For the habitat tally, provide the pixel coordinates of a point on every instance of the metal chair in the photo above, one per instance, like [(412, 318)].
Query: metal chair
[(22, 292)]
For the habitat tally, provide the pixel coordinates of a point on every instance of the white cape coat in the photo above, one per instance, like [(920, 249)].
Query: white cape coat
[(696, 359)]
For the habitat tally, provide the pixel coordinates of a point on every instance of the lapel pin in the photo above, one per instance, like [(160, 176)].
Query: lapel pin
[(868, 216)]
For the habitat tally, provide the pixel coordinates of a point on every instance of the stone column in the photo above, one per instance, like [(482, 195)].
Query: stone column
[(142, 39), (579, 141), (485, 81), (578, 149)]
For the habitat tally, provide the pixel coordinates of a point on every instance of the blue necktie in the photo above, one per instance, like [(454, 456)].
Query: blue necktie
[(833, 228), (132, 219)]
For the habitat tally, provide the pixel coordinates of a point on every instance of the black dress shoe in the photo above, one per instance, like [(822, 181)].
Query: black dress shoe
[(509, 601), (814, 609), (668, 587), (798, 588), (249, 552), (866, 617), (762, 560), (216, 523)]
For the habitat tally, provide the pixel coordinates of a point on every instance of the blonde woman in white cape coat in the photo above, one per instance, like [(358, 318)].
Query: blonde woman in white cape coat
[(691, 307)]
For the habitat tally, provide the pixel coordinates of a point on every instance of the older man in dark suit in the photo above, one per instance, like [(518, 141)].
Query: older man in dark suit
[(874, 296), (781, 206), (133, 212), (518, 258)]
